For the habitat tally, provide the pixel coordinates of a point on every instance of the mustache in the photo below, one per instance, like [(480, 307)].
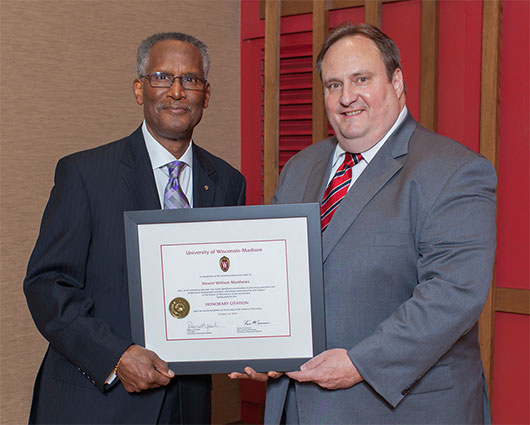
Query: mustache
[(173, 105)]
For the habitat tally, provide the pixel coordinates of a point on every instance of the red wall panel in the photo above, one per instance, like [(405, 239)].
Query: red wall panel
[(511, 376), (513, 251), (401, 21), (511, 391), (459, 71), (460, 41)]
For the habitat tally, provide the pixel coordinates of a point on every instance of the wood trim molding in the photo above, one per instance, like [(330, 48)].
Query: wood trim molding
[(271, 118), (486, 332), (372, 12), (320, 30), (510, 300), (290, 7), (298, 7), (489, 140), (429, 64), (345, 4), (490, 79)]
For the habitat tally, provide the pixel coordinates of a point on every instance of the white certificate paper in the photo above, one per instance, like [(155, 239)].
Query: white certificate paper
[(225, 291), (233, 289)]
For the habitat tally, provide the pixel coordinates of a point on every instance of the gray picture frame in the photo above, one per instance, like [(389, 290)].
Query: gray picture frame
[(311, 211)]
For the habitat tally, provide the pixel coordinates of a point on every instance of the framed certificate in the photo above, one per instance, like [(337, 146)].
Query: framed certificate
[(212, 290)]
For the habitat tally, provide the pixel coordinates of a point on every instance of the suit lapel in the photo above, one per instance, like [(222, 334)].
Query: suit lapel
[(204, 179), (317, 181), (138, 173), (380, 170)]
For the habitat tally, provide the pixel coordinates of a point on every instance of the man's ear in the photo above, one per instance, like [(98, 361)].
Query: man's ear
[(397, 82), (138, 89), (207, 93)]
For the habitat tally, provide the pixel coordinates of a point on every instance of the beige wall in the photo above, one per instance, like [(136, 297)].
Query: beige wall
[(66, 74)]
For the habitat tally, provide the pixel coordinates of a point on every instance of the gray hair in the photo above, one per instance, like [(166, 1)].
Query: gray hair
[(146, 45), (386, 46)]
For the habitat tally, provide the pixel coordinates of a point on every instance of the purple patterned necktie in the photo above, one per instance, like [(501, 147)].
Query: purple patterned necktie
[(174, 197)]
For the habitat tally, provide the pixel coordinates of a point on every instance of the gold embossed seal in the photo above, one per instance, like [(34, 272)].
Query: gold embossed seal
[(179, 307)]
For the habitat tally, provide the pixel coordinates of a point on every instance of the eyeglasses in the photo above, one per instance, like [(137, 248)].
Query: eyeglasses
[(166, 80)]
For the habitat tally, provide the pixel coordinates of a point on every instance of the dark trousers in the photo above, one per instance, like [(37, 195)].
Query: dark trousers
[(186, 402)]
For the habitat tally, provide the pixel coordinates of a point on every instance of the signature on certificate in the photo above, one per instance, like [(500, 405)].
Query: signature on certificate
[(254, 322), (252, 326), (201, 326)]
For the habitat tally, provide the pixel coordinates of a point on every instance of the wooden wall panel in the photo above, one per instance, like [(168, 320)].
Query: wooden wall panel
[(509, 300), (489, 140), (299, 7), (80, 58), (272, 97), (429, 64), (320, 30), (372, 12)]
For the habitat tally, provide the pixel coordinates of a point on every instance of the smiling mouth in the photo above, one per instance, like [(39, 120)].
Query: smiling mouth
[(353, 113)]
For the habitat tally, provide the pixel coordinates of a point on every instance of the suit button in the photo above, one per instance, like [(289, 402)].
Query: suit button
[(405, 392)]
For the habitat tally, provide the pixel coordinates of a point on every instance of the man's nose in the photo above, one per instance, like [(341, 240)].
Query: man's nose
[(176, 91), (348, 94)]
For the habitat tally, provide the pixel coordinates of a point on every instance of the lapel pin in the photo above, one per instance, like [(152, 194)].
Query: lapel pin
[(206, 187)]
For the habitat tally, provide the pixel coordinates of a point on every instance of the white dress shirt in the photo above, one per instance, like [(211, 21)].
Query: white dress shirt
[(338, 155), (160, 157)]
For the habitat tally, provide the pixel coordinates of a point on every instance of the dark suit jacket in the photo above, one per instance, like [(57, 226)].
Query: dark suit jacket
[(408, 259), (76, 283)]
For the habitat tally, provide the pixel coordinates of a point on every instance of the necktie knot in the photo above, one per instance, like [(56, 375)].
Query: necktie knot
[(175, 168), (351, 159), (348, 160)]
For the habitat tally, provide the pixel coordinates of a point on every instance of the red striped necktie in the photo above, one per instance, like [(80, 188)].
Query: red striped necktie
[(337, 188)]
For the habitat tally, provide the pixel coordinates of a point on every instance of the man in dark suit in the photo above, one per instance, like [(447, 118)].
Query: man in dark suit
[(408, 241), (76, 283)]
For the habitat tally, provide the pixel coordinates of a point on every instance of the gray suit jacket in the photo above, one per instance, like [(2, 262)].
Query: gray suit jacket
[(408, 260)]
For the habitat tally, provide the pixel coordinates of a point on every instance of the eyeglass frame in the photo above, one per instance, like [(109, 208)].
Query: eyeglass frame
[(174, 77)]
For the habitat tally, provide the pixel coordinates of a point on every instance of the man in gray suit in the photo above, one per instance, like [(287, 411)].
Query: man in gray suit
[(407, 254)]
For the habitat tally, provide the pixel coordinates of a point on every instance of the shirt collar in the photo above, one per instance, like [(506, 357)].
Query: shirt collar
[(160, 156), (370, 153)]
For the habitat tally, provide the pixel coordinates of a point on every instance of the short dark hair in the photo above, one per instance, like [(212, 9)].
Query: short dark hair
[(386, 46), (146, 45)]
